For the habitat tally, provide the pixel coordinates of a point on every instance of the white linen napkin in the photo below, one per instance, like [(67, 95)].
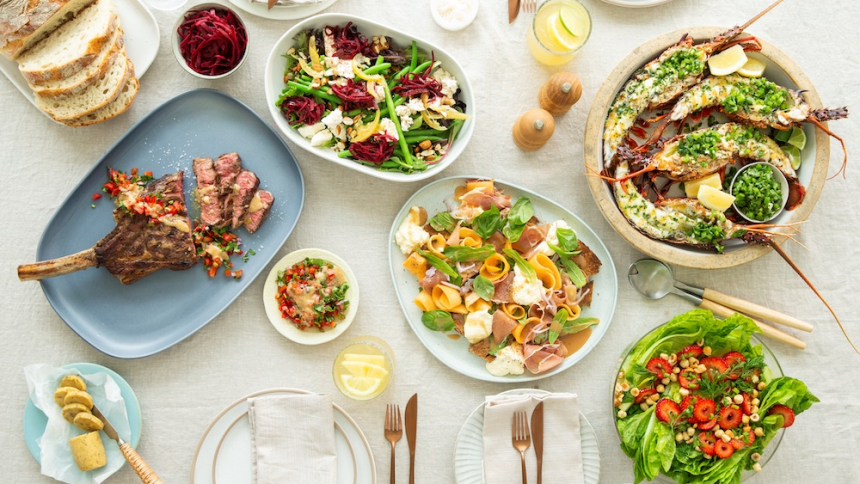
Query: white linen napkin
[(562, 445), (292, 439)]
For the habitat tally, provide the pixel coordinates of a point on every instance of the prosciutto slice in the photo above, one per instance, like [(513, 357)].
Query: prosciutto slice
[(432, 280), (543, 358), (503, 325), (480, 198), (531, 237), (497, 240), (504, 289)]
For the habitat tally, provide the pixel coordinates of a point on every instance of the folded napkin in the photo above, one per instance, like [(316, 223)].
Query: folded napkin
[(292, 439), (562, 446)]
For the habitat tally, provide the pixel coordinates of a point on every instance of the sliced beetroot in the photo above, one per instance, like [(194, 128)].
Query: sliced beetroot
[(376, 149), (305, 108), (354, 95), (212, 42)]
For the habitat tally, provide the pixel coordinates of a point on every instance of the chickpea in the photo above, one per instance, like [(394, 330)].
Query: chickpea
[(661, 388), (738, 399), (726, 438), (634, 392), (685, 363), (707, 350), (757, 467), (665, 381), (759, 432), (684, 392), (673, 377), (745, 419), (679, 437)]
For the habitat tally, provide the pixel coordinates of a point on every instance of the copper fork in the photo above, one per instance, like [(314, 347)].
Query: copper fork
[(521, 438), (393, 430), (528, 6)]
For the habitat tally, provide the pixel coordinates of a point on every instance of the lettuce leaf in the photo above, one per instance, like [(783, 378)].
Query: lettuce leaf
[(787, 391)]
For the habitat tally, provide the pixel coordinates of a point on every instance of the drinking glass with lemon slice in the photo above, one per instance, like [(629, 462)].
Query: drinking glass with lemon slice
[(560, 28), (363, 369)]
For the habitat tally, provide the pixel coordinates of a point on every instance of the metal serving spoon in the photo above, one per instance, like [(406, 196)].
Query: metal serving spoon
[(654, 279)]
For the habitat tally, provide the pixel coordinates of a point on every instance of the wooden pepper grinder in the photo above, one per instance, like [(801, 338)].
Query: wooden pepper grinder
[(559, 93), (533, 129)]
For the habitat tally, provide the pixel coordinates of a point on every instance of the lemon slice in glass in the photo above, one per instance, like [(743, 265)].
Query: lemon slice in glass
[(753, 68), (372, 359), (573, 21), (559, 35), (360, 386), (798, 138), (362, 369), (728, 61), (793, 155)]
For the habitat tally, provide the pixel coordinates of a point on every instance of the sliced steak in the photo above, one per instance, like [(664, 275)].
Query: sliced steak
[(243, 191), (208, 195), (258, 210), (228, 167), (136, 247)]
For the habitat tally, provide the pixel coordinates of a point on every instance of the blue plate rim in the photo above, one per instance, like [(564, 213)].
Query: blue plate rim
[(95, 165), (127, 392)]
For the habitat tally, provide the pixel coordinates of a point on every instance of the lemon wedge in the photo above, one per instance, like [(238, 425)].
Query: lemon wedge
[(360, 386), (715, 199), (560, 35), (372, 359), (361, 75), (753, 68), (692, 187), (728, 61), (362, 369), (573, 21)]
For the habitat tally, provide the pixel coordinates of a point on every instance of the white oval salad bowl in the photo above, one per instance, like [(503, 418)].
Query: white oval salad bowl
[(274, 85)]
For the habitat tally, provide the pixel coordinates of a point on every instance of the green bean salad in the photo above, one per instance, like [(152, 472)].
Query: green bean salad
[(368, 100)]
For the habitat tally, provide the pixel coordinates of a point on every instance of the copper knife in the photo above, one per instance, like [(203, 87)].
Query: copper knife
[(411, 428), (146, 474), (537, 438), (513, 10)]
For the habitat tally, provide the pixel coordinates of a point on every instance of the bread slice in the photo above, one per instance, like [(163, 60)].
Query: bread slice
[(73, 46), (112, 110), (25, 22), (94, 97), (85, 77)]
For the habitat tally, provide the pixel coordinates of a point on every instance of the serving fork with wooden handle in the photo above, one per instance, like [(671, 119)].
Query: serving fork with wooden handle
[(521, 438), (393, 430)]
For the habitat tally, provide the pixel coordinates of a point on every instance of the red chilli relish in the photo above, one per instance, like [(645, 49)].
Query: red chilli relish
[(312, 294)]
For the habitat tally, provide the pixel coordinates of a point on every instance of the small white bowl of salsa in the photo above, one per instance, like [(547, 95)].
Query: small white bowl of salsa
[(311, 296)]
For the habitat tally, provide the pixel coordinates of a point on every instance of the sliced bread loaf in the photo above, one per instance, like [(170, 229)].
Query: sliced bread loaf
[(72, 46), (94, 97), (85, 77), (112, 110), (25, 22)]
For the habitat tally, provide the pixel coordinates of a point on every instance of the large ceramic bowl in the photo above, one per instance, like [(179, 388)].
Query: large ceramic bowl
[(772, 365), (812, 173), (274, 85)]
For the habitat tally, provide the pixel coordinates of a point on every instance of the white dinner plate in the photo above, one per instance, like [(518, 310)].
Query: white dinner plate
[(141, 35), (287, 328), (455, 354), (469, 447), (223, 455), (637, 3), (279, 12)]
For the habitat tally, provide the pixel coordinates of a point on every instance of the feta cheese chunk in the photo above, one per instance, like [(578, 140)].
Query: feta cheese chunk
[(479, 325), (321, 138), (405, 114), (410, 235), (526, 292), (449, 82), (415, 104), (387, 126), (551, 237), (509, 361), (309, 131), (333, 119)]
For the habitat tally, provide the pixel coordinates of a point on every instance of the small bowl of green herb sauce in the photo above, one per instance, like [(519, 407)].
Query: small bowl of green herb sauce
[(760, 192)]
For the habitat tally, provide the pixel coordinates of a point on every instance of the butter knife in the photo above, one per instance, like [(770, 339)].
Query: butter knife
[(537, 438), (513, 10), (411, 428), (146, 474)]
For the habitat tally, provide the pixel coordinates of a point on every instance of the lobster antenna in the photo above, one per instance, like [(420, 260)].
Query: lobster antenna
[(752, 20), (785, 256)]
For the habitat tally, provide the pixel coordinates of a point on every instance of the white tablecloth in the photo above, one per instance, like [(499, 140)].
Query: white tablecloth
[(183, 388)]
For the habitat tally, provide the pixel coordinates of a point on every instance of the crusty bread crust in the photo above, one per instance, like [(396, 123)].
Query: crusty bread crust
[(25, 22), (78, 83)]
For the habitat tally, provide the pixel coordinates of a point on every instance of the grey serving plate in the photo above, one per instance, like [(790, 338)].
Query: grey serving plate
[(166, 307)]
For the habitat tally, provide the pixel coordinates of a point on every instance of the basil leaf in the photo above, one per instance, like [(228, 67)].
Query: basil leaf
[(443, 222), (578, 324), (524, 266), (443, 266), (495, 350), (513, 232), (567, 239), (484, 288), (461, 253), (438, 320), (487, 223), (573, 271), (521, 212)]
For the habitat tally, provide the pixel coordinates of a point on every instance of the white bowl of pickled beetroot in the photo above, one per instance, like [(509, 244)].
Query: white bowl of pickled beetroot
[(274, 85)]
